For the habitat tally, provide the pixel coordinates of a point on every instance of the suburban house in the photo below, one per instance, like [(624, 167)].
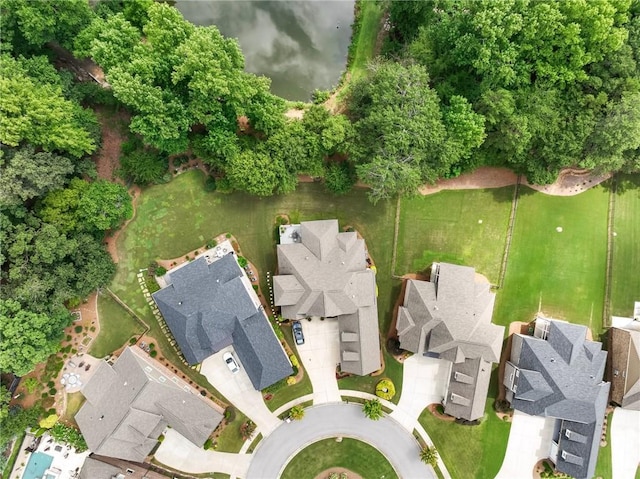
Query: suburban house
[(623, 365), (449, 318), (130, 403), (325, 273), (100, 467), (557, 373), (209, 304)]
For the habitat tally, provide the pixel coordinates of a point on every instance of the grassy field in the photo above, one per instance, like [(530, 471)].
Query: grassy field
[(364, 43), (74, 402), (116, 327), (470, 451), (352, 454), (446, 227), (562, 271), (625, 287)]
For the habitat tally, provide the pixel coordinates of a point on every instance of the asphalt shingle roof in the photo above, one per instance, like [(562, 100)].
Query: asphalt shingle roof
[(126, 410), (449, 317), (207, 308), (561, 377)]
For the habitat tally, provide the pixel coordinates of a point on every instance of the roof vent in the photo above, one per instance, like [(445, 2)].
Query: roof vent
[(101, 418), (306, 257), (125, 383), (179, 303), (553, 360)]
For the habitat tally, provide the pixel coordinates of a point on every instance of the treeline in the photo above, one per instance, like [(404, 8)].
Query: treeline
[(555, 83), (53, 212)]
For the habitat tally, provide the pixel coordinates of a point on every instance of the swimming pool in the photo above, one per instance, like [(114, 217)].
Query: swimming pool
[(38, 463)]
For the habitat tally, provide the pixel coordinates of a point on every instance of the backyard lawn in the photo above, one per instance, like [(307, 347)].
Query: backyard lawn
[(470, 451), (563, 272), (604, 466), (116, 327), (352, 454), (364, 43), (465, 227), (626, 247)]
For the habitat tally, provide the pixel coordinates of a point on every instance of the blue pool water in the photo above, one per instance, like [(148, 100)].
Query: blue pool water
[(38, 463)]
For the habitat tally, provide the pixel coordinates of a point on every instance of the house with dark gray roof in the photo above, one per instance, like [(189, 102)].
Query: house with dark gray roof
[(101, 467), (128, 405), (623, 361), (209, 305), (325, 273), (449, 317), (558, 373)]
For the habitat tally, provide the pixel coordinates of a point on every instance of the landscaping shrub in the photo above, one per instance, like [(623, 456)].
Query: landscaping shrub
[(31, 384), (78, 329), (230, 414), (69, 337), (51, 384), (242, 261), (385, 389), (210, 184), (501, 405), (144, 166), (68, 435), (339, 177), (52, 391), (133, 340), (208, 444), (247, 429), (294, 361), (161, 271), (276, 328), (153, 353), (291, 380), (296, 413), (320, 96)]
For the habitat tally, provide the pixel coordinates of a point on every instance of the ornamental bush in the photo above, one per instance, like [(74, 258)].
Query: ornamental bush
[(385, 389)]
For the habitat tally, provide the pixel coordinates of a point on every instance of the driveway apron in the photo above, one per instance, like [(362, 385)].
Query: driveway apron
[(625, 443)]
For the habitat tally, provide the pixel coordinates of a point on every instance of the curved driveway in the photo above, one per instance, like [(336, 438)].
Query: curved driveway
[(331, 420)]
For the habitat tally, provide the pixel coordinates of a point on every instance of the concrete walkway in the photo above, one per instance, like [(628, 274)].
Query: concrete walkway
[(181, 454), (332, 420), (320, 354), (529, 442), (625, 443), (424, 382)]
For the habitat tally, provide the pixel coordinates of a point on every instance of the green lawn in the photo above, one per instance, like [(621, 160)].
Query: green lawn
[(446, 227), (116, 327), (625, 287), (179, 216), (352, 454), (74, 402), (365, 42), (562, 271), (393, 371), (230, 440), (470, 451), (603, 466)]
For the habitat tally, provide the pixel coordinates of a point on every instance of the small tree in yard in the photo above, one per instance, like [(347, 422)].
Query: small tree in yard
[(429, 455), (372, 409), (247, 429), (296, 413)]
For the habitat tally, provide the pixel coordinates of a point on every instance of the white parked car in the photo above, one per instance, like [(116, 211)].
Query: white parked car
[(231, 362)]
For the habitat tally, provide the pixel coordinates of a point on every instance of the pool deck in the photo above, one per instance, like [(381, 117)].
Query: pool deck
[(66, 462)]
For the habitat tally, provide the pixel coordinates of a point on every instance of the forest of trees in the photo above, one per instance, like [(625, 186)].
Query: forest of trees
[(536, 86)]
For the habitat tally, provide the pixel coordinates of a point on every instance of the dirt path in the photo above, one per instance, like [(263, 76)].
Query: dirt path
[(113, 127), (111, 240), (570, 182)]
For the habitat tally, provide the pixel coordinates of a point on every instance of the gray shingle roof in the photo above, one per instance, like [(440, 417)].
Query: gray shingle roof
[(561, 377), (449, 317), (326, 275), (126, 410), (207, 307)]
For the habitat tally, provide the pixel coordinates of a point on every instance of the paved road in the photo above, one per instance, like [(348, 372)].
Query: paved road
[(331, 420)]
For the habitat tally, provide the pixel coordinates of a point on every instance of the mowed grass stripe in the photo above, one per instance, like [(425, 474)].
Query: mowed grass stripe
[(465, 227), (563, 271), (625, 286)]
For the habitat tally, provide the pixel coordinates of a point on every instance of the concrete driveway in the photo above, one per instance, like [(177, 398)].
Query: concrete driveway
[(237, 388), (180, 454), (332, 420), (320, 354), (424, 381), (529, 441), (625, 443)]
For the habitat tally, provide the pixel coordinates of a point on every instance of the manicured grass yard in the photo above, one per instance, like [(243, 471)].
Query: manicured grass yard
[(626, 247), (116, 327), (603, 466), (74, 402), (470, 451), (352, 454), (564, 271), (365, 42), (445, 227)]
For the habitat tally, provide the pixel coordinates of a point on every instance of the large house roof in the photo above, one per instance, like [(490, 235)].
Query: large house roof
[(325, 274), (449, 317), (130, 403), (561, 377), (207, 307)]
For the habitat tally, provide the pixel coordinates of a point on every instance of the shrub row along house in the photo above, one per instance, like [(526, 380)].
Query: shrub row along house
[(557, 373), (449, 317), (325, 273)]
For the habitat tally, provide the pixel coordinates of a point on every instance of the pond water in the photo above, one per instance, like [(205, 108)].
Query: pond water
[(301, 45)]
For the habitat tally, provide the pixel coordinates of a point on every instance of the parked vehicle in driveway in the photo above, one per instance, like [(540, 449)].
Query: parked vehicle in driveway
[(297, 332), (231, 362)]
